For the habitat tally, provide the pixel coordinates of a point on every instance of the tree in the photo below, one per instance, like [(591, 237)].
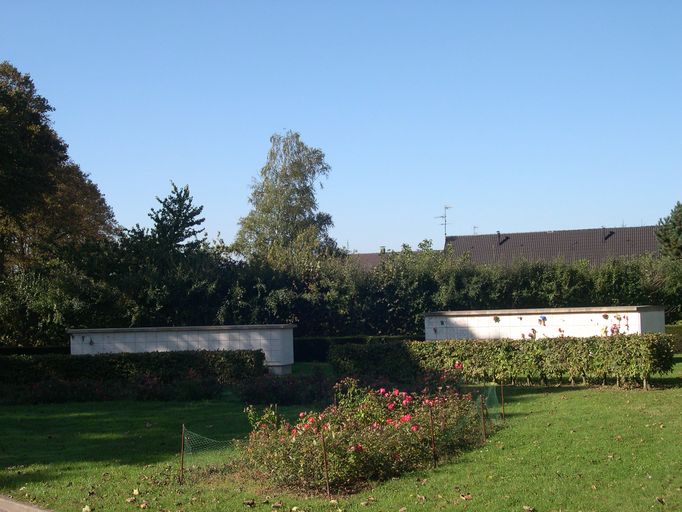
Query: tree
[(30, 150), (48, 205), (176, 221), (284, 218), (669, 233)]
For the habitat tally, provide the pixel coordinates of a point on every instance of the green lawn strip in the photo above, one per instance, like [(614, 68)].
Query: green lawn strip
[(563, 449)]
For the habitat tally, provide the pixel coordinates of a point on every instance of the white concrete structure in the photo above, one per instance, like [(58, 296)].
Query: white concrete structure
[(276, 341), (537, 323)]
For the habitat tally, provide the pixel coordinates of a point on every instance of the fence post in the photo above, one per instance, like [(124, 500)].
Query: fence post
[(433, 439), (182, 455), (502, 393), (481, 398), (326, 462)]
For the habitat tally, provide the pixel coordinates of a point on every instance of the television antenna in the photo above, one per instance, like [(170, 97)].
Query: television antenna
[(445, 219)]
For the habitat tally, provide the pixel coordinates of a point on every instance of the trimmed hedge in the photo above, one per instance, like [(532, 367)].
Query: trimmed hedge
[(632, 357), (166, 367), (676, 331), (316, 348)]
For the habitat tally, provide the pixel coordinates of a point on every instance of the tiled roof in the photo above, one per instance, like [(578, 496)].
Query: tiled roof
[(368, 260), (594, 245)]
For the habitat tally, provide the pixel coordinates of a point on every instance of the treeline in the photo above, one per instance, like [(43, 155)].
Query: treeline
[(66, 263), (136, 280)]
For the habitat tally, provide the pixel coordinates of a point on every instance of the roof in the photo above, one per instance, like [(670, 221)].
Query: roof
[(368, 260), (595, 245)]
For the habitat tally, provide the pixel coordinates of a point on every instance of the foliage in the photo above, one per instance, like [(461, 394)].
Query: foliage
[(369, 435), (192, 386), (286, 389), (48, 206), (284, 219), (30, 150), (631, 357), (316, 348), (669, 233), (224, 366)]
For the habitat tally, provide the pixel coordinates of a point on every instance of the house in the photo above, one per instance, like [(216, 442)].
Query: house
[(595, 245)]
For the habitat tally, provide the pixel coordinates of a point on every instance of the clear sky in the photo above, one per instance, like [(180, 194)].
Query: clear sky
[(521, 115)]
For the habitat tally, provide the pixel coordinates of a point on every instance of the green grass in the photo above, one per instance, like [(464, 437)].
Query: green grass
[(569, 449)]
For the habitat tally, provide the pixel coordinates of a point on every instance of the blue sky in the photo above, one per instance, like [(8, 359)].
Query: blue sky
[(522, 115)]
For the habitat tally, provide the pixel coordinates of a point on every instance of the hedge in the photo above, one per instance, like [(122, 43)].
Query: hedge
[(316, 348), (676, 331), (166, 367), (621, 357)]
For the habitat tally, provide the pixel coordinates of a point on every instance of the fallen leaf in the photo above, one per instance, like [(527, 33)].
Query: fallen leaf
[(277, 505), (250, 503), (466, 497), (660, 500), (402, 509), (136, 492), (333, 502), (528, 508), (86, 508), (131, 499), (144, 504)]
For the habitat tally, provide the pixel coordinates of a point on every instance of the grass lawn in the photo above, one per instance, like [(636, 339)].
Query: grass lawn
[(569, 449)]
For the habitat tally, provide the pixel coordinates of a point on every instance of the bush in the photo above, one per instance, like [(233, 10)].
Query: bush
[(146, 376), (286, 389), (621, 357), (676, 332), (316, 348), (369, 435), (225, 366)]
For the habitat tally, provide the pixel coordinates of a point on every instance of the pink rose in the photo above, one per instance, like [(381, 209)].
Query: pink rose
[(391, 406), (414, 428)]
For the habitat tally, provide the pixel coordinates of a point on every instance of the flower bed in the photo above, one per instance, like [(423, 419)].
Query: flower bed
[(369, 435)]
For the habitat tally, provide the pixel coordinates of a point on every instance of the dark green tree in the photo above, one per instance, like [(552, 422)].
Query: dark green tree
[(176, 222), (284, 218), (30, 150), (669, 233)]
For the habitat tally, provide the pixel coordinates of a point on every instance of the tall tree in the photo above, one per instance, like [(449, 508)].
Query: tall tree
[(30, 149), (47, 204), (176, 222), (669, 233), (284, 218)]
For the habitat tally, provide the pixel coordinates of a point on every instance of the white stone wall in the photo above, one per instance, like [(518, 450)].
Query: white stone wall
[(538, 323), (276, 341)]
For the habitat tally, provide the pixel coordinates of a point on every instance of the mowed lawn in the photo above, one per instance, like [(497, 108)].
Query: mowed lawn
[(568, 449)]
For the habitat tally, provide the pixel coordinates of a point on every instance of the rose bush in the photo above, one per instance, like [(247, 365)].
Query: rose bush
[(369, 434)]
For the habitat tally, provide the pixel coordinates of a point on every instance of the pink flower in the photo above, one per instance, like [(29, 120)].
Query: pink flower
[(406, 417), (389, 421), (375, 425), (293, 431), (396, 392), (414, 428), (356, 448), (311, 420), (382, 391), (301, 414), (387, 395), (458, 365), (391, 406), (405, 402)]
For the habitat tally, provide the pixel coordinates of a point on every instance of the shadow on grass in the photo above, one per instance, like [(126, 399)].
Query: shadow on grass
[(134, 433)]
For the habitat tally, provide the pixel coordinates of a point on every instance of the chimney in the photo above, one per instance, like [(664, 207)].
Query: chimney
[(382, 249)]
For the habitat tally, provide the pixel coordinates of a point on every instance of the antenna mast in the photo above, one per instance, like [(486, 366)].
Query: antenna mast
[(445, 219)]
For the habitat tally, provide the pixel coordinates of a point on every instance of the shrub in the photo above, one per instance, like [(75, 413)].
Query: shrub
[(225, 366), (369, 435), (621, 357), (286, 389), (316, 348), (145, 376)]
